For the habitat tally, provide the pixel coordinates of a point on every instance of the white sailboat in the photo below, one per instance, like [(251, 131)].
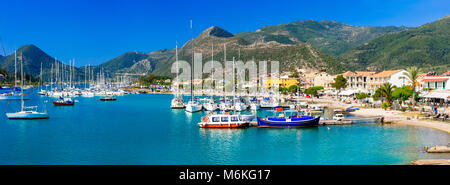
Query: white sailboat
[(177, 101), (13, 94), (193, 105), (27, 112), (210, 104)]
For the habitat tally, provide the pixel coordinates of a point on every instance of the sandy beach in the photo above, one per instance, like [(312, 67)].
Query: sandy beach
[(396, 118)]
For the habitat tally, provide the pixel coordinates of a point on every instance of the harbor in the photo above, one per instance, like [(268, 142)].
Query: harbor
[(95, 132)]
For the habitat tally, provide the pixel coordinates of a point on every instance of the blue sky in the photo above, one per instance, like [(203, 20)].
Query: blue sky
[(96, 31)]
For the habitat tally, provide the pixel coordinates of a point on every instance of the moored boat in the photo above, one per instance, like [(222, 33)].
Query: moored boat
[(223, 121), (108, 98), (28, 114), (64, 102), (288, 119)]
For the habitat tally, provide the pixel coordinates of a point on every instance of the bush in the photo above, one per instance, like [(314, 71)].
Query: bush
[(385, 105)]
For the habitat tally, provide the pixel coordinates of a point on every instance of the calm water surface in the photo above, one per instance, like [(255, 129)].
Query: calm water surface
[(141, 129)]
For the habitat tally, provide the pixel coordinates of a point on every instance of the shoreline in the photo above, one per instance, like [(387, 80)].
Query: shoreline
[(395, 118)]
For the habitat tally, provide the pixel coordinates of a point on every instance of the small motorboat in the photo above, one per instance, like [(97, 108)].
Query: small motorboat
[(351, 109), (177, 103), (338, 117), (288, 119), (64, 102), (225, 120), (108, 98)]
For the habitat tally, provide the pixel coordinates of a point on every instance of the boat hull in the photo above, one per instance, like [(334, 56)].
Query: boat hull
[(177, 107), (63, 104), (284, 124), (233, 125), (194, 108), (27, 116)]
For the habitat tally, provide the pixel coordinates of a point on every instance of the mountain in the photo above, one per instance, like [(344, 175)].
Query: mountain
[(32, 59), (426, 46), (331, 37), (299, 56)]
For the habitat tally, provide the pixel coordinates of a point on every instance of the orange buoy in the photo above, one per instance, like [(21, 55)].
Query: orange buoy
[(205, 119)]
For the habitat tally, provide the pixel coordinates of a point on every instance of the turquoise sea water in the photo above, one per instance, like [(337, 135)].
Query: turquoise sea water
[(141, 129)]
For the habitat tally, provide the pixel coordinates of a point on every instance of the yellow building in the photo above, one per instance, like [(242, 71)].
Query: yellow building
[(283, 81)]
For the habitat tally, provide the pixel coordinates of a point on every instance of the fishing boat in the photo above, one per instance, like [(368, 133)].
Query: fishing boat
[(287, 119), (225, 120), (29, 112), (64, 102), (108, 98)]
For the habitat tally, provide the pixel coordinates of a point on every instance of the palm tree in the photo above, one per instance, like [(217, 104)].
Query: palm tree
[(412, 73), (386, 91)]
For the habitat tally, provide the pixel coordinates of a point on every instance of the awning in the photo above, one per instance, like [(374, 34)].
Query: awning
[(437, 95)]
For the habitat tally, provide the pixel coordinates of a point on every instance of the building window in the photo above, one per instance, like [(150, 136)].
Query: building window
[(443, 85), (435, 85)]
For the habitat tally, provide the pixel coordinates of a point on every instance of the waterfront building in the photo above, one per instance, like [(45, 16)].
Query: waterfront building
[(436, 82), (283, 81), (324, 79), (395, 77), (358, 79), (308, 80)]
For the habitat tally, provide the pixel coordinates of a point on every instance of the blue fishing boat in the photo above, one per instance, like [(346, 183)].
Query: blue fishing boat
[(288, 119)]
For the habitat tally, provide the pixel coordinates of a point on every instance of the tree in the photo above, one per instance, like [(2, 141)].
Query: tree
[(402, 93), (412, 73), (361, 96), (377, 95), (386, 91), (293, 88), (385, 105), (340, 83), (313, 90)]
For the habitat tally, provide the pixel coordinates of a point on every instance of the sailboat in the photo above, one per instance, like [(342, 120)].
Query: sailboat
[(177, 101), (210, 104), (42, 91), (239, 103), (26, 112), (13, 93), (193, 105)]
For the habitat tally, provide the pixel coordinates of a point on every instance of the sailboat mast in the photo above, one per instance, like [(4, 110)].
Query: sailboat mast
[(192, 64), (212, 70), (224, 61), (21, 75), (40, 78), (15, 68), (176, 61)]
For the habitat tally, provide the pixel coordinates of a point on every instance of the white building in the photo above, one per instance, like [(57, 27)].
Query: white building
[(436, 82), (394, 77)]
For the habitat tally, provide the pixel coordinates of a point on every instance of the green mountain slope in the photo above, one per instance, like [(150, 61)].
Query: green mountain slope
[(427, 46), (300, 56), (331, 37), (32, 59)]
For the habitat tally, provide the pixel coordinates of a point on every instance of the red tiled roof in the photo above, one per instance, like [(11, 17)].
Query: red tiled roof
[(434, 79)]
